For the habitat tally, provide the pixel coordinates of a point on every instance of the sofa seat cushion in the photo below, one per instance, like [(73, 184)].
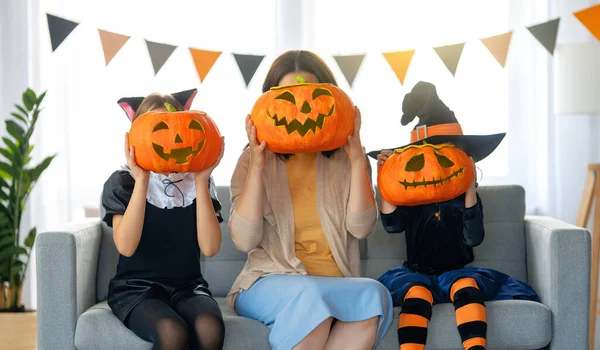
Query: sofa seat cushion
[(98, 328), (512, 324)]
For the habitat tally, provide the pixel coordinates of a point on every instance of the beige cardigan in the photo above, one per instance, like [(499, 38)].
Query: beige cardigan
[(270, 242)]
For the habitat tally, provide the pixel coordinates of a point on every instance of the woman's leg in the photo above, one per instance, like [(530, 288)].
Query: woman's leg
[(317, 338), (353, 335), (155, 321), (471, 317), (203, 316)]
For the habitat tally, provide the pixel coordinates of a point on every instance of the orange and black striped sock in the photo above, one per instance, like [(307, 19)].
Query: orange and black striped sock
[(414, 318), (471, 321)]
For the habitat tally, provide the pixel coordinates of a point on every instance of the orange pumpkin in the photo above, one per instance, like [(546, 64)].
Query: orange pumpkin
[(167, 142), (303, 117), (422, 174)]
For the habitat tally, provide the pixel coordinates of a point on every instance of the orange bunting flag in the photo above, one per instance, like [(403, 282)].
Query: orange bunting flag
[(111, 43), (399, 62), (204, 61), (590, 18), (498, 46)]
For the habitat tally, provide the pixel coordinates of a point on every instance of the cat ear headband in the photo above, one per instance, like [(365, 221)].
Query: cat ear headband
[(131, 104)]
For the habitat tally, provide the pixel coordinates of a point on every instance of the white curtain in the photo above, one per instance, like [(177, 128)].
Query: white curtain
[(84, 126)]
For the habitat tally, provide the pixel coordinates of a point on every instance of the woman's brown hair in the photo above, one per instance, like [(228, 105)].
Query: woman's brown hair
[(298, 61), (155, 101)]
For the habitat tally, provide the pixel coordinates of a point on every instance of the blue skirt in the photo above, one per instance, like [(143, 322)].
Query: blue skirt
[(293, 305), (495, 285)]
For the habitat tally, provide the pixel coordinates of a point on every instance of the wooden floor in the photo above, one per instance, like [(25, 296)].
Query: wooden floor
[(18, 331)]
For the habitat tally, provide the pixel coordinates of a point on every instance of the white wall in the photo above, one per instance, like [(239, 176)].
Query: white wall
[(576, 138)]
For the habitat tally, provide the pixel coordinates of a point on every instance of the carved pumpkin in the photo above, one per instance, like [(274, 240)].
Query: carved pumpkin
[(303, 117), (167, 142), (422, 174)]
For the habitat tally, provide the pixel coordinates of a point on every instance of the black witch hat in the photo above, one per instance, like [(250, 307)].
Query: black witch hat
[(437, 124)]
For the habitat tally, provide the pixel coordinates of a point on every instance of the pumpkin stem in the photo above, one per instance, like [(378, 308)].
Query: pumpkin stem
[(300, 79), (170, 107)]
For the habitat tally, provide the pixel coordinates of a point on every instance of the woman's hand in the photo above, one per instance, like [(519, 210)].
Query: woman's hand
[(353, 146), (382, 157), (257, 151), (205, 174), (138, 173)]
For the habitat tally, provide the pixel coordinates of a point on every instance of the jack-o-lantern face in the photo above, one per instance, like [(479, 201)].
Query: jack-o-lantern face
[(303, 117), (166, 142), (422, 174)]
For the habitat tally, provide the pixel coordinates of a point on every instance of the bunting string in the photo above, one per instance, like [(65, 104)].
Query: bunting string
[(399, 61)]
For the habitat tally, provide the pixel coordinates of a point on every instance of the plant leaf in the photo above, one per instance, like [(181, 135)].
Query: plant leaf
[(21, 109), (39, 169), (7, 154), (3, 195), (15, 129), (29, 99), (12, 252), (8, 240), (10, 144), (20, 117), (6, 169), (3, 183), (30, 238), (40, 98)]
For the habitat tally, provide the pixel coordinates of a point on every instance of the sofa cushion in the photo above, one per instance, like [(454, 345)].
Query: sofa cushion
[(512, 324), (98, 328)]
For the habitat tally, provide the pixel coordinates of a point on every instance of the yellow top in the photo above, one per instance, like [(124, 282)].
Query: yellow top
[(312, 247)]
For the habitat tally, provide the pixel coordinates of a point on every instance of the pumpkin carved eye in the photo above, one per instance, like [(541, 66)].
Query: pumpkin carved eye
[(160, 126), (320, 92), (416, 163), (443, 160), (288, 96), (194, 124)]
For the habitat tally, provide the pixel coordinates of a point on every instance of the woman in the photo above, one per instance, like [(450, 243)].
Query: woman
[(299, 217)]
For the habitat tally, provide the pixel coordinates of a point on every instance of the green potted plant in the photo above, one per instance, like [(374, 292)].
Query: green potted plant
[(17, 179)]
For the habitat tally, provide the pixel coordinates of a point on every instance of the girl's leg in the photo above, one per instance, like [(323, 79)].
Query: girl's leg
[(353, 335), (203, 316), (155, 321), (317, 338), (471, 320), (414, 318)]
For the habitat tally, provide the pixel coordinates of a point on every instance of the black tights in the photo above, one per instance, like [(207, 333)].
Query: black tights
[(196, 322)]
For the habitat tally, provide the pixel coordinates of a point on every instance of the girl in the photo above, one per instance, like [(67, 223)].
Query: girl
[(160, 224), (440, 237), (299, 217)]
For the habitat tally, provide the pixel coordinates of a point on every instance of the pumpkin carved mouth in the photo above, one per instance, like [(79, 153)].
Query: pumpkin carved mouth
[(180, 155), (302, 128), (433, 181)]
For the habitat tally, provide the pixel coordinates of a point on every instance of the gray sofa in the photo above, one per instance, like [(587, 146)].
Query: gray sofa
[(74, 266)]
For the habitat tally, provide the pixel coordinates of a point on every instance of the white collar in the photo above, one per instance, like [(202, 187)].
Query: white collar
[(170, 191)]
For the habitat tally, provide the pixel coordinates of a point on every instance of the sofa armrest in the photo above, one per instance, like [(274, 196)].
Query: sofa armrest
[(558, 268), (67, 261)]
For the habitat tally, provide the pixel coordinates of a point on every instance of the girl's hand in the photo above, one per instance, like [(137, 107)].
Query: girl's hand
[(353, 147), (382, 157), (205, 174), (138, 173), (473, 184), (257, 151)]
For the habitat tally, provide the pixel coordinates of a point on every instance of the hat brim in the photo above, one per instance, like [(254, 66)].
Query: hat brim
[(476, 146)]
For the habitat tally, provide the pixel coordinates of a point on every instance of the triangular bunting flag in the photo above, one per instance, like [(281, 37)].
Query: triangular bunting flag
[(590, 18), (349, 65), (399, 61), (450, 55), (498, 46), (248, 64), (204, 60), (159, 54), (546, 33), (111, 43), (59, 29)]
